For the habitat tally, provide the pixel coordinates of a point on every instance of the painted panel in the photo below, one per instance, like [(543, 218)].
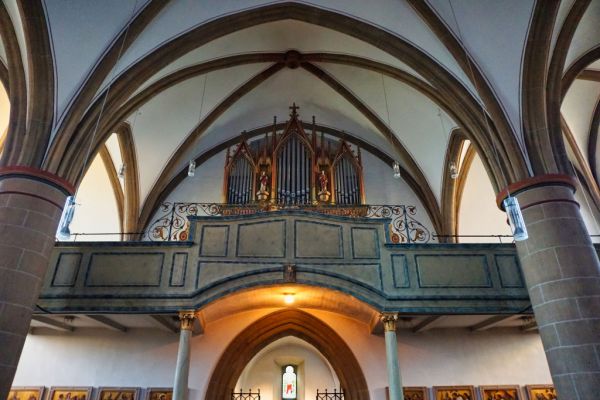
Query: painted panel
[(214, 240), (453, 271), (125, 269), (210, 273), (318, 240), (178, 269), (509, 271), (369, 274), (67, 268), (400, 271), (261, 239), (365, 243)]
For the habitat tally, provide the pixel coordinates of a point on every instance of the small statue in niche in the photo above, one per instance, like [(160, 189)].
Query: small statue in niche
[(263, 193), (323, 182)]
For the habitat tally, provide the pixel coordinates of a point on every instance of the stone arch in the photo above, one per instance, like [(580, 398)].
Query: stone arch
[(289, 322), (64, 154)]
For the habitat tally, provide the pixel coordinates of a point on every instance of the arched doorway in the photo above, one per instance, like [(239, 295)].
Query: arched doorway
[(279, 325)]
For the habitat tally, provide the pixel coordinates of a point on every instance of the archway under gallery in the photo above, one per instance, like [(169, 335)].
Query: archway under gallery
[(284, 324)]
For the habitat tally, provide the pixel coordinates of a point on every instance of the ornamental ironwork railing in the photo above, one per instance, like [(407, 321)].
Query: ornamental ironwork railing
[(241, 395), (326, 395), (172, 223)]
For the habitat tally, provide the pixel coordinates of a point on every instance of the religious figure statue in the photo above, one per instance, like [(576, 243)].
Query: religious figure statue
[(263, 193), (323, 182)]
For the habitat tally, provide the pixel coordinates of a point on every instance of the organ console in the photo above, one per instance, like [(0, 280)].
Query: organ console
[(293, 168)]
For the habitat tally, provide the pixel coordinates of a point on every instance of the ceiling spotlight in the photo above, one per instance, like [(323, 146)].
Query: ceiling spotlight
[(396, 170), (192, 168), (288, 298)]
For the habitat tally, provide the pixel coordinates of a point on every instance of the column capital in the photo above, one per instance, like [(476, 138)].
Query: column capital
[(389, 321), (535, 181), (187, 319)]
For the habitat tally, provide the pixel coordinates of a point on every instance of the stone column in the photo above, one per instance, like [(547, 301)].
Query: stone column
[(391, 351), (562, 273), (31, 203), (182, 369)]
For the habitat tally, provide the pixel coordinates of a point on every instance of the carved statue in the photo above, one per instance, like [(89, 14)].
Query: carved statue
[(323, 181), (263, 193)]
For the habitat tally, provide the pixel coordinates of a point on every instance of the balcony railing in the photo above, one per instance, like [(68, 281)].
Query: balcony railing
[(172, 223), (327, 395), (249, 395)]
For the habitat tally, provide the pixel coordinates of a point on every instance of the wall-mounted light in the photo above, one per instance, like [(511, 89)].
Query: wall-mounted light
[(288, 298), (453, 170), (515, 218), (396, 168), (192, 168), (122, 171), (63, 232)]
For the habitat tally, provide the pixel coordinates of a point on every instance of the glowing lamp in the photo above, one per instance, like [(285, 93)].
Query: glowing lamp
[(515, 218), (288, 298), (396, 170)]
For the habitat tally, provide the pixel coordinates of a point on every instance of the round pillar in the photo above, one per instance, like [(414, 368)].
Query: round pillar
[(31, 203), (562, 273), (182, 369), (391, 351)]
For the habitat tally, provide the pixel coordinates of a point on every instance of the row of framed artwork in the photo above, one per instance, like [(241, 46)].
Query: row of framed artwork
[(507, 392), (86, 393)]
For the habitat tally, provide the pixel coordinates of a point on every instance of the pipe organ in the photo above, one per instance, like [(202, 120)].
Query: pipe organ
[(291, 167)]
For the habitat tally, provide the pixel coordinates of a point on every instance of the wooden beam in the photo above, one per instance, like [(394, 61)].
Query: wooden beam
[(49, 322), (166, 322), (427, 323), (109, 323), (491, 322)]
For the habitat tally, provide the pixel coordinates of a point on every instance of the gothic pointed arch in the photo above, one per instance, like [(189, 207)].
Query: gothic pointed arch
[(289, 322)]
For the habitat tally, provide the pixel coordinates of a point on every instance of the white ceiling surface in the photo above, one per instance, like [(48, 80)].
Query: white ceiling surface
[(563, 12), (281, 36), (586, 35), (496, 44), (274, 96), (595, 65), (392, 15), (413, 117), (81, 32), (577, 109), (167, 119), (15, 16)]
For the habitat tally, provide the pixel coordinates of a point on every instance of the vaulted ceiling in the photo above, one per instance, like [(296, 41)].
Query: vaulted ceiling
[(186, 76)]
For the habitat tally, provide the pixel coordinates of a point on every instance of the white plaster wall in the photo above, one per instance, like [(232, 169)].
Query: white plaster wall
[(146, 357), (4, 111), (97, 210), (478, 213)]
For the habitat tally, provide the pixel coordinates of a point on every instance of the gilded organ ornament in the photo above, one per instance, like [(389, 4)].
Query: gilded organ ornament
[(290, 167)]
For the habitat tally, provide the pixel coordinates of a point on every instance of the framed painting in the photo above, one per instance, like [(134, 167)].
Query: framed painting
[(511, 392), (415, 393), (118, 393), (541, 392), (70, 393), (159, 394), (411, 393), (454, 393), (26, 393)]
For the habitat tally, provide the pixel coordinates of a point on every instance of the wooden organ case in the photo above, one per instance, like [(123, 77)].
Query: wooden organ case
[(293, 168)]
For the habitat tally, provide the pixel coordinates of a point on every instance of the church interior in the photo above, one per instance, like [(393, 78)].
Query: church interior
[(299, 200)]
